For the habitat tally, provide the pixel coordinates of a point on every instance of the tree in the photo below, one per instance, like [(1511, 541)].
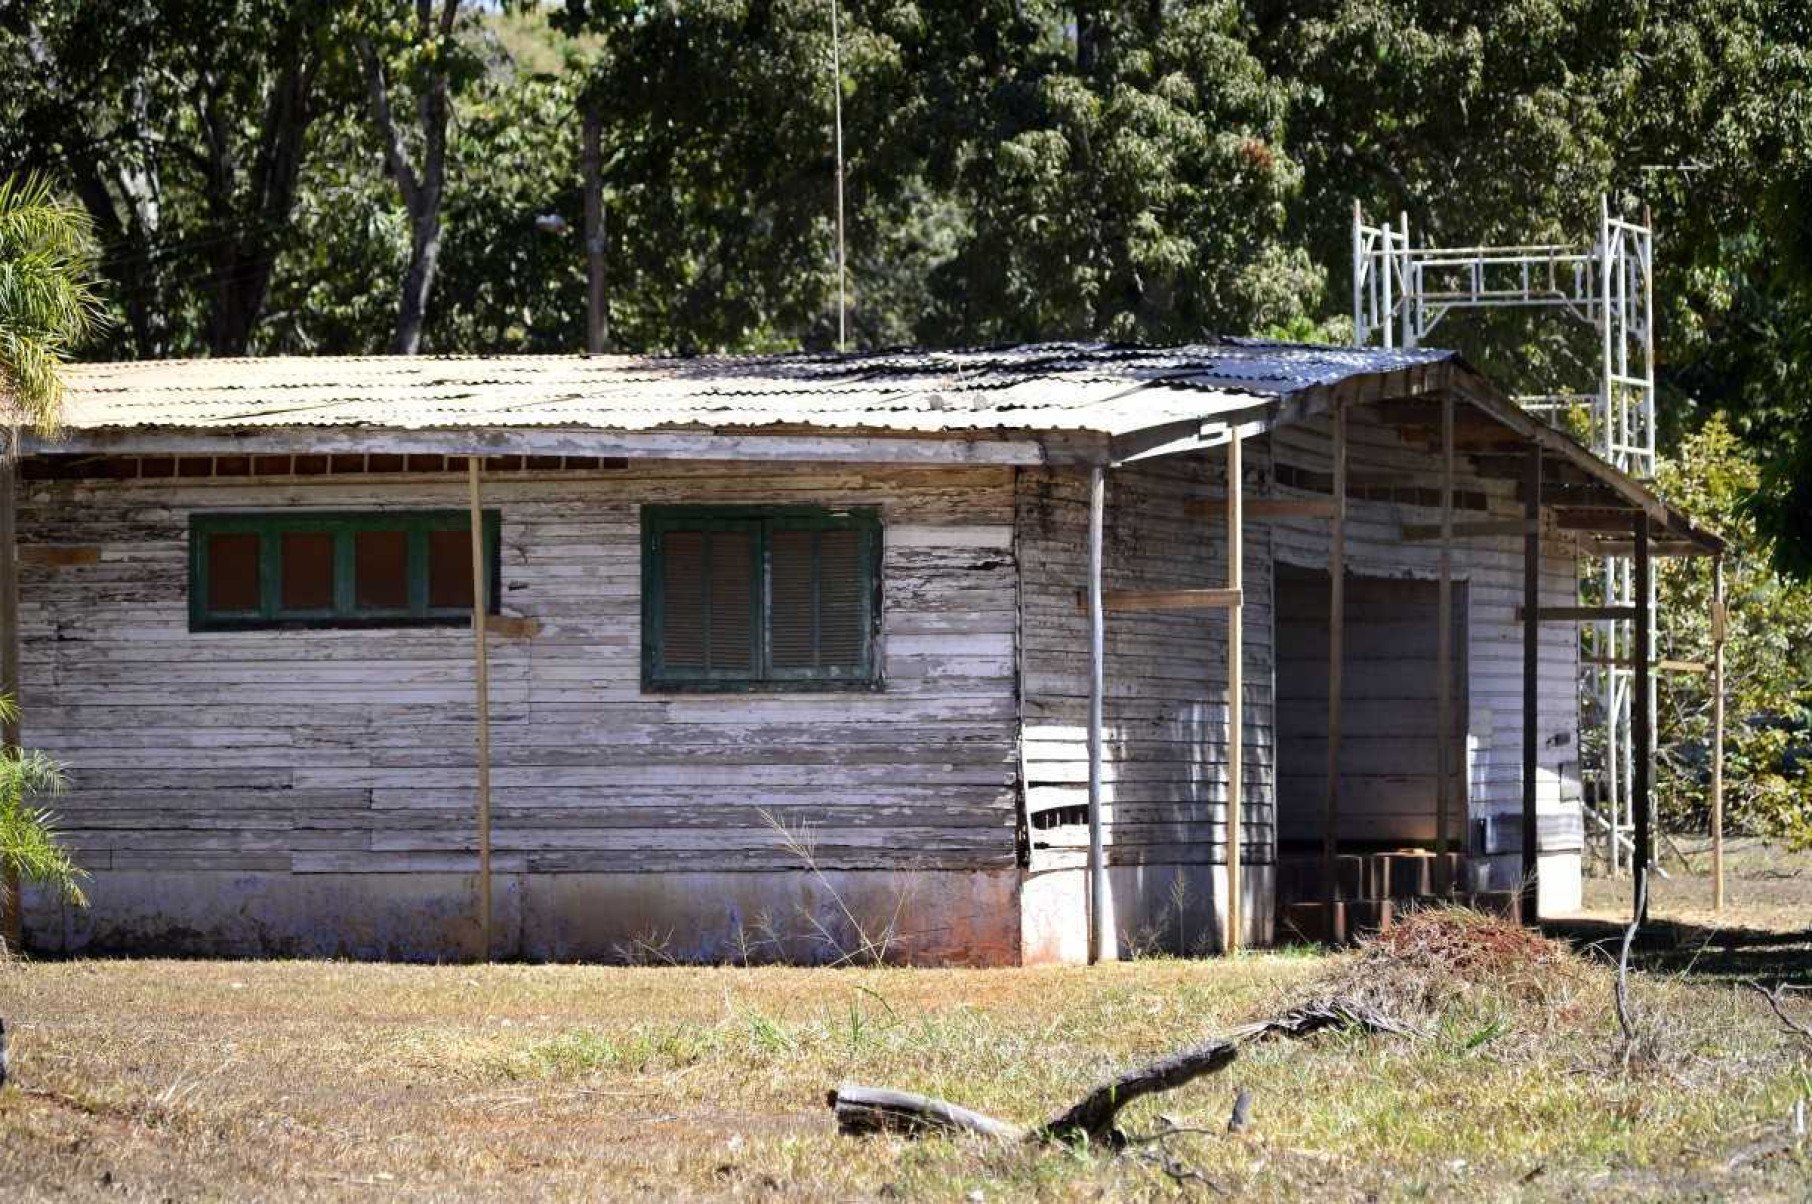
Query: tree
[(424, 51), (180, 126), (1768, 656), (47, 304), (29, 848)]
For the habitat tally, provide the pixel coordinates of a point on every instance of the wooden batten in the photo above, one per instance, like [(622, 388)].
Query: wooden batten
[(1483, 529), (1642, 721), (1262, 507), (1577, 614), (1531, 615), (11, 916), (1100, 936), (481, 679), (1236, 686), (1718, 623), (1330, 840), (1444, 638), (972, 449)]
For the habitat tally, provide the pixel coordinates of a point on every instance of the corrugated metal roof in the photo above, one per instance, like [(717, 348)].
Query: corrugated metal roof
[(1047, 387)]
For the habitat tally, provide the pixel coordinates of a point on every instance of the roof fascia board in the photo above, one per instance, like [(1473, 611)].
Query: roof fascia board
[(535, 441), (1479, 392)]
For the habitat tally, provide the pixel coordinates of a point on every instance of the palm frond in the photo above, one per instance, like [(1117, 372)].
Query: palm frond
[(47, 299)]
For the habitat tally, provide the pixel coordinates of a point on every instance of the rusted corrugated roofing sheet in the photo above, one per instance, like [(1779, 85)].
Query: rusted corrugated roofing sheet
[(1047, 387)]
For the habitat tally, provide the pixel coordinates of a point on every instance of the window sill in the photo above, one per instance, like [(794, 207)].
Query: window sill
[(691, 688)]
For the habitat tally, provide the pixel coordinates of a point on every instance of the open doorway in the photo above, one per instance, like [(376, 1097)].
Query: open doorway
[(1388, 715)]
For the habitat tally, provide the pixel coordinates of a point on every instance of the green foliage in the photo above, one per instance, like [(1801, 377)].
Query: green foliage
[(47, 303), (1768, 657), (29, 848)]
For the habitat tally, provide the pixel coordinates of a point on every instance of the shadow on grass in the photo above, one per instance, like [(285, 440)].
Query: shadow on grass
[(1696, 950)]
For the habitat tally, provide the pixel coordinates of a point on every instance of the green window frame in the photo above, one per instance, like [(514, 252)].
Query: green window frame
[(760, 598), (343, 527)]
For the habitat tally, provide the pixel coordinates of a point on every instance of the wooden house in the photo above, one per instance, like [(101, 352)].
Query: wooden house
[(801, 656)]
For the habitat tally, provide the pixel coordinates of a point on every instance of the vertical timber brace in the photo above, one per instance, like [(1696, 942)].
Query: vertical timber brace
[(1719, 621), (1330, 832), (1100, 943), (1236, 687), (11, 917), (1444, 644), (481, 597), (1531, 852), (1641, 703)]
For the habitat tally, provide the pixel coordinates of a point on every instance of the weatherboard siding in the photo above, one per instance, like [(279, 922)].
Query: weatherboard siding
[(1165, 712), (352, 751), (1165, 757), (1492, 570)]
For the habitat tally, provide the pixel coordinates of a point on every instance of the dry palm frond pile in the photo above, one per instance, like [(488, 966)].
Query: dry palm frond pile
[(1439, 959)]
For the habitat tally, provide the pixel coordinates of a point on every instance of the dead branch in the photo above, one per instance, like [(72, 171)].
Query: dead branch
[(874, 1110), (1625, 1021), (1777, 1000), (1241, 1119), (862, 1110)]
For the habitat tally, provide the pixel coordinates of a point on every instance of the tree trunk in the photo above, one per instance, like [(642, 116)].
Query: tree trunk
[(422, 188), (418, 281)]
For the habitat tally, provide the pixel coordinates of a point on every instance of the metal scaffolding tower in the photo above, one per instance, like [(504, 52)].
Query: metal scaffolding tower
[(1401, 292)]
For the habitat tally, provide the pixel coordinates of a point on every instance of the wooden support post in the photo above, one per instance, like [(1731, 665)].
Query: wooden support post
[(1719, 619), (1531, 684), (1444, 641), (1099, 938), (1236, 688), (1330, 834), (1642, 722), (597, 321), (481, 661), (11, 917)]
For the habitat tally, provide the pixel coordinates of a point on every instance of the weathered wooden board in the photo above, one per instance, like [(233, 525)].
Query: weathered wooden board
[(353, 750)]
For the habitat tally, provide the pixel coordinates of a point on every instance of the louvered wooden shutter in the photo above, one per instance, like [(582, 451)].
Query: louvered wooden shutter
[(742, 598), (708, 599), (820, 598)]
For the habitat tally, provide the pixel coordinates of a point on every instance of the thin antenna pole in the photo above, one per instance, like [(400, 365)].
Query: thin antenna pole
[(837, 107)]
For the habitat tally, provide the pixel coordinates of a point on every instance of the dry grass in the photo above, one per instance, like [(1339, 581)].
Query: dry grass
[(215, 1079)]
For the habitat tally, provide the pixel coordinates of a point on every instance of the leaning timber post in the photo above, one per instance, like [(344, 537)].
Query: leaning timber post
[(481, 665), (1330, 831), (1719, 619), (1444, 644), (12, 920), (1531, 901), (1100, 940), (1641, 703), (1236, 686)]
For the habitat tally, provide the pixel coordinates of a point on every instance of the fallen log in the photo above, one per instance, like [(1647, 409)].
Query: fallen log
[(863, 1110)]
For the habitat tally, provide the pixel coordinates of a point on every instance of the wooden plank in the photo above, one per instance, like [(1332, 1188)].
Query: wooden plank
[(11, 918), (1236, 724), (1660, 666), (1330, 837), (1717, 734), (1483, 528), (481, 666), (59, 555), (1579, 614), (1100, 936), (969, 449), (1642, 721), (1171, 599), (1444, 636), (1531, 613), (1262, 507)]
